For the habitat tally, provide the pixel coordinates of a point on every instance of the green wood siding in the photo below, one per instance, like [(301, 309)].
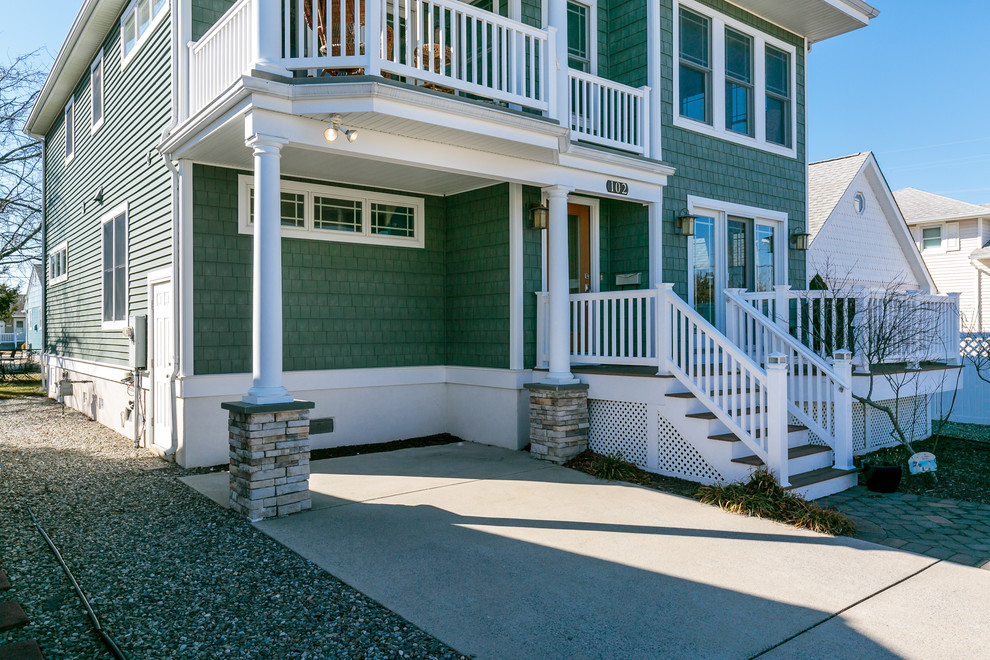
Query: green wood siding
[(477, 311), (345, 305), (116, 159), (205, 13)]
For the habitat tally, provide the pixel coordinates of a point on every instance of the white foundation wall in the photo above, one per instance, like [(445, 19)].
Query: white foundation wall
[(487, 406), (97, 392)]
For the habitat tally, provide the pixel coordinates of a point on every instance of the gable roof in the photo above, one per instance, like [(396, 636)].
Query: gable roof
[(918, 205), (828, 180)]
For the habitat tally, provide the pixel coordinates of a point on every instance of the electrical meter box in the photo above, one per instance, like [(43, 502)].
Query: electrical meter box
[(137, 351)]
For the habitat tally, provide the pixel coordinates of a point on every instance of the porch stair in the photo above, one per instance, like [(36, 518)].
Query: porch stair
[(810, 465)]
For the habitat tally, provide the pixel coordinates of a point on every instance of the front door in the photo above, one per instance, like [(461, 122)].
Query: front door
[(579, 247), (162, 339)]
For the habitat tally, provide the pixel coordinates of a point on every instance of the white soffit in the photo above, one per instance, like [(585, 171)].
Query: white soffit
[(816, 20)]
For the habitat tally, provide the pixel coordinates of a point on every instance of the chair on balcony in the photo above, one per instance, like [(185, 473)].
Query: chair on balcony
[(350, 46)]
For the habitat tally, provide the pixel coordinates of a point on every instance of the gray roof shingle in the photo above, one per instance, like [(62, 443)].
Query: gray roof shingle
[(920, 205), (828, 180)]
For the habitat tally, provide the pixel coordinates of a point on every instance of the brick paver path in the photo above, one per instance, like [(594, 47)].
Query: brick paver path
[(945, 529)]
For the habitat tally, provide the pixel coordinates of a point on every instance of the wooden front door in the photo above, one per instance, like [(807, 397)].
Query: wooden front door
[(579, 247)]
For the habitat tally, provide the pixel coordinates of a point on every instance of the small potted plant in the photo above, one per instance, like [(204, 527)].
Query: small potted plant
[(883, 469)]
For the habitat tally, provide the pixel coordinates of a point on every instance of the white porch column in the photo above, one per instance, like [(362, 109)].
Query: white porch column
[(267, 303), (557, 18), (267, 16), (560, 290)]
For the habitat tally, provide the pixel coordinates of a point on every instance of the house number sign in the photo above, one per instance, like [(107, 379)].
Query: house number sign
[(617, 187)]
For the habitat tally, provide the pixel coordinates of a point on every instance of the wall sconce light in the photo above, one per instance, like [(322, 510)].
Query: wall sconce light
[(335, 129), (539, 217), (685, 222), (799, 241)]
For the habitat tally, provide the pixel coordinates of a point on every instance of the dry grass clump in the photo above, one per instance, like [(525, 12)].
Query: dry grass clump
[(763, 497)]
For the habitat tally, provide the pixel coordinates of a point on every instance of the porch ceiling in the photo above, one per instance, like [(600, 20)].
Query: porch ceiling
[(815, 19), (225, 147)]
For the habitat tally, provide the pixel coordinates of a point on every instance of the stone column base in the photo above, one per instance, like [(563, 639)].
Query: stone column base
[(269, 458), (558, 421)]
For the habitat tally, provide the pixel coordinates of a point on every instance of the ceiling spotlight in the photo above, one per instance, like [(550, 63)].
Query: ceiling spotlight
[(335, 129)]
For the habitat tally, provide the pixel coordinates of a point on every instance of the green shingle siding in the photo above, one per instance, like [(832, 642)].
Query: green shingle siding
[(532, 275), (136, 110), (477, 274), (625, 244), (205, 13)]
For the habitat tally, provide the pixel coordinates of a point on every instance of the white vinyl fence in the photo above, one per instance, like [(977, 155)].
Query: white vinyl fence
[(972, 405)]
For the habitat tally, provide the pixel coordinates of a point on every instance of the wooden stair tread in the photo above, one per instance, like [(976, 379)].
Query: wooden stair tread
[(691, 395), (793, 452), (731, 437), (817, 476), (710, 415)]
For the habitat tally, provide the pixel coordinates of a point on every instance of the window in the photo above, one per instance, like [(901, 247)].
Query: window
[(114, 228), (578, 37), (859, 203), (70, 129), (326, 213), (137, 22), (738, 82), (778, 97), (931, 238), (96, 92), (732, 81), (695, 66), (58, 267)]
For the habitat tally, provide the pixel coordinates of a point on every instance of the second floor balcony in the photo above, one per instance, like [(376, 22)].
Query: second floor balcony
[(445, 46)]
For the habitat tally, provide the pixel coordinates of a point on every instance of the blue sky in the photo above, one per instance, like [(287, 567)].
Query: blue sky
[(913, 87)]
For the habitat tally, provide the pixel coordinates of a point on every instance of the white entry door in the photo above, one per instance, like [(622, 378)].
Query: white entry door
[(161, 367)]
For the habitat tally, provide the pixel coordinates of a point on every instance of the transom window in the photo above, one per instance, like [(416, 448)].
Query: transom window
[(329, 213), (136, 24), (733, 81), (114, 248), (58, 265)]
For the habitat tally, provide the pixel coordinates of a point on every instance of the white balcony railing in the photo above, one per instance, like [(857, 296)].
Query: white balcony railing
[(895, 326), (444, 45)]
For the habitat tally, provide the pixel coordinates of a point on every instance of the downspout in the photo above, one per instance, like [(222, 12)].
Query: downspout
[(44, 267)]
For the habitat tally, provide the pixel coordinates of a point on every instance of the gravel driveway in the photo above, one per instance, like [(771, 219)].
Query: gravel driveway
[(169, 573)]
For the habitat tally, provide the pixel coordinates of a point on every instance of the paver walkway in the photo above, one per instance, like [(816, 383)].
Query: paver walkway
[(945, 529)]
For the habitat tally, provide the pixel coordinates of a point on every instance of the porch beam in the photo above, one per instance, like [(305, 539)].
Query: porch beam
[(267, 301), (557, 279)]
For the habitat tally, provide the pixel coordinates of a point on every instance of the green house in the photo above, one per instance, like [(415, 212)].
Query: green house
[(406, 211)]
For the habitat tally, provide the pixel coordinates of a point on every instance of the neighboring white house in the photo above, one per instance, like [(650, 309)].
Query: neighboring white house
[(953, 238), (33, 307), (858, 235), (12, 331)]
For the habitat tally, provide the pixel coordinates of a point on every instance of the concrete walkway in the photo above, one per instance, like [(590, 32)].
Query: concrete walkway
[(944, 529), (501, 556)]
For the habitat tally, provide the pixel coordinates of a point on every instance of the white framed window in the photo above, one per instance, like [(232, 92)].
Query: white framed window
[(70, 130), (581, 42), (96, 93), (859, 203), (136, 24), (732, 81), (330, 213), (931, 238), (58, 263), (113, 228)]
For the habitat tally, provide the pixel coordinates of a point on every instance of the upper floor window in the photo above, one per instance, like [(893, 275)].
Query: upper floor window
[(58, 266), (695, 66), (136, 24), (579, 36), (328, 213), (70, 129), (778, 68), (931, 238), (732, 81), (738, 82), (114, 252), (96, 92)]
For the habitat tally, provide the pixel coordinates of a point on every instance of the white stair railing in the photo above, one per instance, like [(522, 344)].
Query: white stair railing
[(817, 396)]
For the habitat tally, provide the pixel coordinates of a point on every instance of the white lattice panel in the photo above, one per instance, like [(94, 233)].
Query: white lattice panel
[(912, 416), (859, 430), (678, 457), (618, 426)]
